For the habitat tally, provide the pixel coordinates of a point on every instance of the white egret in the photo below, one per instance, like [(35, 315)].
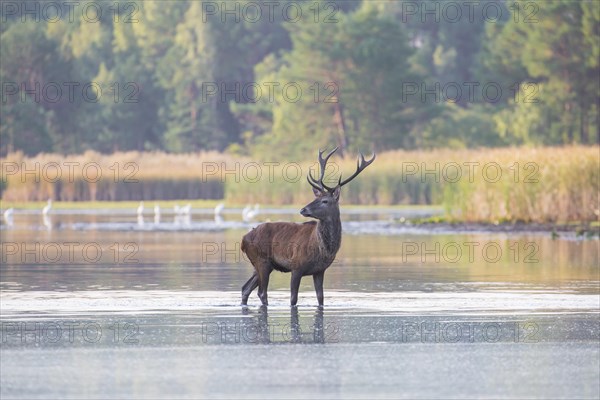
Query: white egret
[(245, 212), (8, 216), (248, 213), (186, 210), (156, 213), (47, 207), (218, 209), (253, 212)]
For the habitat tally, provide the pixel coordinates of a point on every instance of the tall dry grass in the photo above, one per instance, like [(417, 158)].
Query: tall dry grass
[(115, 177), (559, 184)]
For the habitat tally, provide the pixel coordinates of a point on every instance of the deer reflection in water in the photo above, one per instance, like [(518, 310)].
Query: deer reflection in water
[(260, 331)]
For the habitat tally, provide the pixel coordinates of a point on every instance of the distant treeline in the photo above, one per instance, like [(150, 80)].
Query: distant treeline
[(254, 77), (507, 184)]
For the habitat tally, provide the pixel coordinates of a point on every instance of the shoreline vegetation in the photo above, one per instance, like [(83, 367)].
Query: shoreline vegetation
[(559, 186)]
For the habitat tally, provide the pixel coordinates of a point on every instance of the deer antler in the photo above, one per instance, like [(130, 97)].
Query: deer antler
[(361, 164), (318, 184)]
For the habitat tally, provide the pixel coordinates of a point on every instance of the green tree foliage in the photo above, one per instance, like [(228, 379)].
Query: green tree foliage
[(554, 58), (25, 122), (197, 75), (351, 74)]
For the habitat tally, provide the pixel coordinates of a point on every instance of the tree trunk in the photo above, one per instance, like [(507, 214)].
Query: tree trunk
[(338, 117), (569, 122), (585, 132)]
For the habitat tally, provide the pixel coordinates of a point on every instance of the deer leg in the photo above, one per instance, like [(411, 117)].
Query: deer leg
[(262, 287), (294, 286), (249, 287), (318, 280)]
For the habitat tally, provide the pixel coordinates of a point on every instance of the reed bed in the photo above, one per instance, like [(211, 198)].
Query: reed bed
[(560, 185), (551, 184), (116, 177)]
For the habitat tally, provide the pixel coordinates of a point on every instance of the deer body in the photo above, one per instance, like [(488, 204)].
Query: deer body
[(302, 249), (282, 246)]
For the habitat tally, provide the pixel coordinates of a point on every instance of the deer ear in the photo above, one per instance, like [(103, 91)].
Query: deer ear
[(317, 192), (336, 192)]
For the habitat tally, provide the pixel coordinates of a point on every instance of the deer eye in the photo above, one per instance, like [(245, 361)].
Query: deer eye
[(324, 201)]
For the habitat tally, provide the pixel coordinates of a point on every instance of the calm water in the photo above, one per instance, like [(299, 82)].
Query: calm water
[(102, 305)]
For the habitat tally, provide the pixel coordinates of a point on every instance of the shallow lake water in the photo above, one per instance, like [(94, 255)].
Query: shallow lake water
[(100, 304)]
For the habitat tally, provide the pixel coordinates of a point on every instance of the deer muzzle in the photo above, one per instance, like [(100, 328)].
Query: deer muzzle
[(305, 212)]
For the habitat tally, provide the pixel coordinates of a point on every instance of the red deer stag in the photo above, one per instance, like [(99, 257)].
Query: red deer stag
[(302, 249)]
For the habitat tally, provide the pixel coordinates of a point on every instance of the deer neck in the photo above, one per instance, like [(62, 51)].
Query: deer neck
[(329, 233)]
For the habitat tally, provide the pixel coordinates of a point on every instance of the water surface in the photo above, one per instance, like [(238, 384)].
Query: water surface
[(102, 305)]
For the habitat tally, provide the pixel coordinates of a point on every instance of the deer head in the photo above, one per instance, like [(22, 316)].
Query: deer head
[(326, 203)]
